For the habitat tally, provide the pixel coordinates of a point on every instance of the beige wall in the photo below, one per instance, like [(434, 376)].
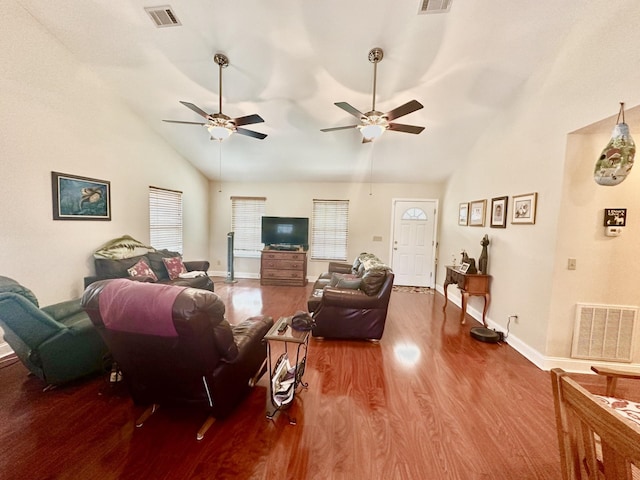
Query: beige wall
[(605, 265), (57, 115), (369, 215), (526, 150)]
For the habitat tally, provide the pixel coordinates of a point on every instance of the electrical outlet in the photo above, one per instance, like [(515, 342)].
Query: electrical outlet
[(218, 263), (571, 264), (377, 238)]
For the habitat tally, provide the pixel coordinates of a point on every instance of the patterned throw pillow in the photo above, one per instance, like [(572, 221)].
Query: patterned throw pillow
[(142, 269), (174, 266)]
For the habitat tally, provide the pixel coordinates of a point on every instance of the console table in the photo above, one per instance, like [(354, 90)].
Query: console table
[(470, 284)]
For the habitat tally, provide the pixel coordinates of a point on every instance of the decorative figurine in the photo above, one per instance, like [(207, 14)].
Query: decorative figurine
[(484, 256), (471, 261)]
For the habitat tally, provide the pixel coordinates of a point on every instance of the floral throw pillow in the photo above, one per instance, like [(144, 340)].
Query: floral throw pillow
[(174, 266), (142, 269)]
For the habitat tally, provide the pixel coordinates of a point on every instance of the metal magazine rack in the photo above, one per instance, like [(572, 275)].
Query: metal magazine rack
[(284, 376)]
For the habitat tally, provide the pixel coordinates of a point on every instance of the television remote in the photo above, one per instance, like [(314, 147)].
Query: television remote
[(282, 328)]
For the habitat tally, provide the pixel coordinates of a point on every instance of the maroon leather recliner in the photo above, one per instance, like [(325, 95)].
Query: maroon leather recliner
[(174, 346)]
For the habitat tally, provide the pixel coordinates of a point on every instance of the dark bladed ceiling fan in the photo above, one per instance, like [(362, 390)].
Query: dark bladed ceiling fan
[(374, 123), (219, 125)]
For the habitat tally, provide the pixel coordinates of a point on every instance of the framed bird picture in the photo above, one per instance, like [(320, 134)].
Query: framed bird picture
[(80, 198)]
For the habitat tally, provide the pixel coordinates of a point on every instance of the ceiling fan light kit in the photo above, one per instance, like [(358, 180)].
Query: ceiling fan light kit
[(374, 123), (219, 125), (373, 131), (218, 132)]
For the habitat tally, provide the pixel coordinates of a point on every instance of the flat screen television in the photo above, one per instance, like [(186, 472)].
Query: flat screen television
[(285, 232)]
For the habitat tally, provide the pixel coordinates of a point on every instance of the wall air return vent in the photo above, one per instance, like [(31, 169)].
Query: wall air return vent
[(163, 16), (434, 6), (604, 332)]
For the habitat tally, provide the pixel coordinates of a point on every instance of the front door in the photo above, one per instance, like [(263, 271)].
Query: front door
[(413, 242)]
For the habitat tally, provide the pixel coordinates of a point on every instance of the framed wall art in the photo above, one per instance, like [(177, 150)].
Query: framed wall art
[(524, 208), (477, 213), (80, 198), (499, 212), (463, 214)]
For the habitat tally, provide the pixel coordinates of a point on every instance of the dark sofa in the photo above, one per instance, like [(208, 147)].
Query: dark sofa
[(350, 301), (107, 268)]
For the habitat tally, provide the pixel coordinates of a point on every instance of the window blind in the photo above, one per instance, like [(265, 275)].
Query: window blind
[(330, 230), (165, 219), (246, 223)]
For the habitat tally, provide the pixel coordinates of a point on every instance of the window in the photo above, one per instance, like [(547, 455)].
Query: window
[(414, 214), (165, 219), (246, 223), (330, 230)]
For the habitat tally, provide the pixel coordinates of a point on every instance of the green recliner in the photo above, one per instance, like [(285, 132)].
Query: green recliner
[(57, 343)]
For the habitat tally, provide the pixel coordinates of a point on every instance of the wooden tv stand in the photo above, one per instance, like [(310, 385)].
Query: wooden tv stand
[(283, 267)]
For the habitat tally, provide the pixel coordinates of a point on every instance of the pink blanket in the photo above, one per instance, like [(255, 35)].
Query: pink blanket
[(136, 307)]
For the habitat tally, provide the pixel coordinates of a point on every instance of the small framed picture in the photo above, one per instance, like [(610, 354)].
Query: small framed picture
[(477, 213), (499, 212), (524, 209), (463, 214), (464, 267)]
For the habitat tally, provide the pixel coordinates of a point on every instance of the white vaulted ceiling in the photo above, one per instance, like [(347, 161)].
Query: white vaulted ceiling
[(291, 60)]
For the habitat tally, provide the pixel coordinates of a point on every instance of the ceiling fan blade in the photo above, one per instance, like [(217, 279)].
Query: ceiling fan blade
[(247, 120), (251, 133), (198, 110), (179, 121), (399, 127), (402, 110), (337, 128), (349, 109)]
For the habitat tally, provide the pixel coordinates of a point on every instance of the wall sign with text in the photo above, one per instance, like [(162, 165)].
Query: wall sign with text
[(615, 217)]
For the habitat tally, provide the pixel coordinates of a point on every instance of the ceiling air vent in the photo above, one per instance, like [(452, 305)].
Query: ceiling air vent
[(163, 16), (434, 6)]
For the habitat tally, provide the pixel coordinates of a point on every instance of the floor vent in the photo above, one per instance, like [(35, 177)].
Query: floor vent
[(434, 6), (163, 16), (604, 332)]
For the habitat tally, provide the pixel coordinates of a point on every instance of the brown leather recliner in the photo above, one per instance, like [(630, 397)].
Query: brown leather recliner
[(174, 346), (352, 313)]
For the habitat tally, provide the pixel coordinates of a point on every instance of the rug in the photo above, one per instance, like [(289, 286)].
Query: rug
[(399, 288)]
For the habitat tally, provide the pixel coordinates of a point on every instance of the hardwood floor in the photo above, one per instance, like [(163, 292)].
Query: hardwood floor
[(427, 402)]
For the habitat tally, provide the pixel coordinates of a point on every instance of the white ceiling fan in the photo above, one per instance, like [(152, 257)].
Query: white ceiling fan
[(219, 125), (374, 123)]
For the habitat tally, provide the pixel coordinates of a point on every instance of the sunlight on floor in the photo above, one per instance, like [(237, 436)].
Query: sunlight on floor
[(245, 301), (407, 353)]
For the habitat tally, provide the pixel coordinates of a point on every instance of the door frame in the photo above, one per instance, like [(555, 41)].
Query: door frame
[(434, 242)]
